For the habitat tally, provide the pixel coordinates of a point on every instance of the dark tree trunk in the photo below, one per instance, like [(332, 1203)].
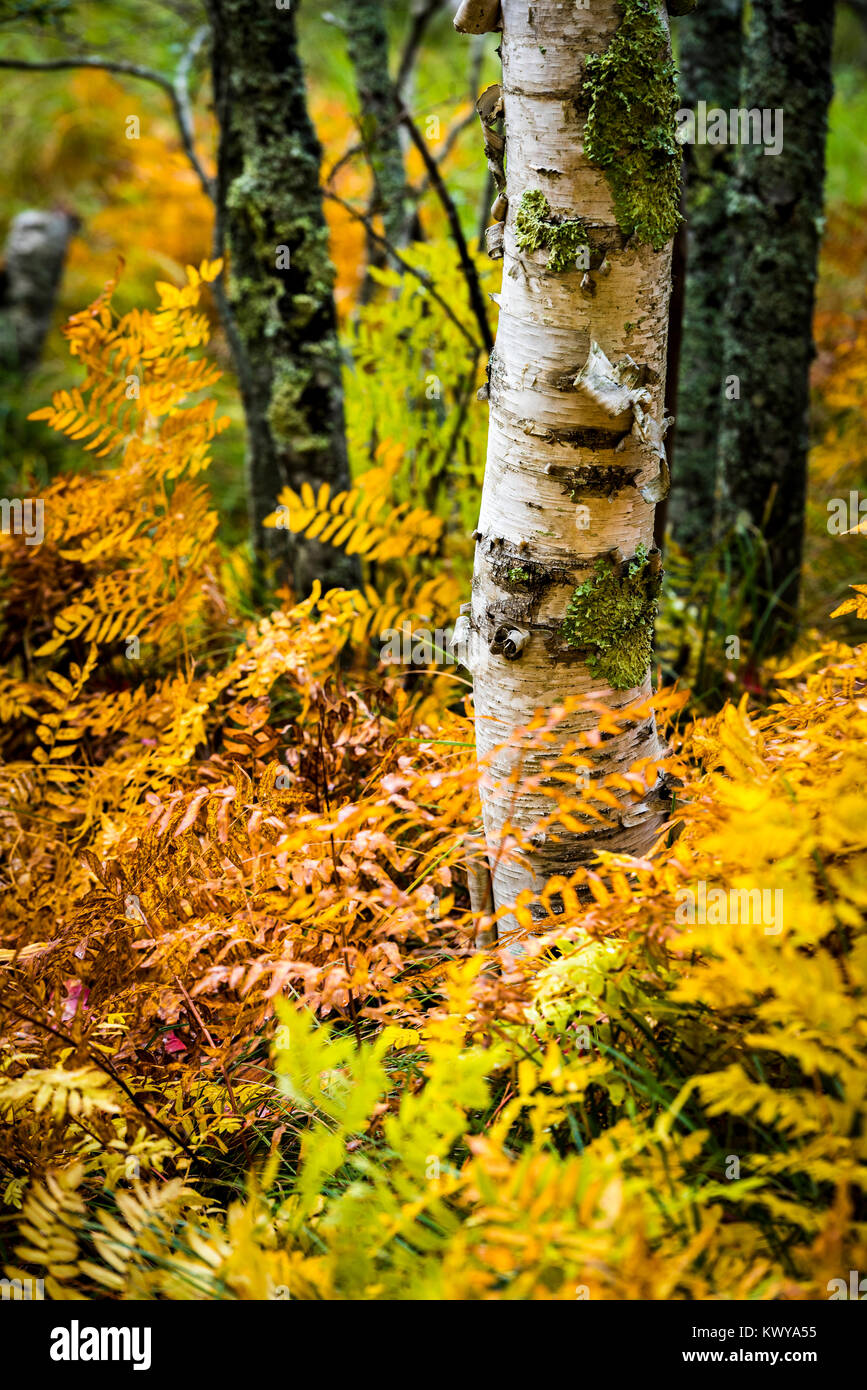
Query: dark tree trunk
[(709, 58), (776, 209), (284, 329)]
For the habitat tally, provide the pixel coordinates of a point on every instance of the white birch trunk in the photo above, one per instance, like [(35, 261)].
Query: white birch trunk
[(555, 446)]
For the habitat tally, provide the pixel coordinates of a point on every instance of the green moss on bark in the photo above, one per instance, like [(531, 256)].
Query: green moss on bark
[(612, 614), (537, 228), (367, 37), (631, 126), (287, 420), (280, 278)]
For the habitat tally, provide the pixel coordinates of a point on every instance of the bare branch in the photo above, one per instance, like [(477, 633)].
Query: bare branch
[(182, 107), (344, 159), (404, 265), (121, 67), (423, 13), (99, 1060), (448, 145), (88, 60)]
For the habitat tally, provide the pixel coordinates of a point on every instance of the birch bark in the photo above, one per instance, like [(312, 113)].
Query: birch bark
[(34, 257), (576, 390)]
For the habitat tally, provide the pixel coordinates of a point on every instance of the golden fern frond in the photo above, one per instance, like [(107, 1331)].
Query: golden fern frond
[(71, 415), (431, 605), (135, 1246), (856, 605), (15, 697), (145, 348), (52, 1218), (59, 731), (360, 522), (110, 608), (84, 1091)]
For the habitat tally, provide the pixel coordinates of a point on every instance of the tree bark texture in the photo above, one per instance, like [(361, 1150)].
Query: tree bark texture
[(565, 576), (34, 256), (380, 123), (280, 277), (775, 226), (709, 59)]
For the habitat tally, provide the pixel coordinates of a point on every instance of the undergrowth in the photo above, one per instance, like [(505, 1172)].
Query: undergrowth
[(247, 1044)]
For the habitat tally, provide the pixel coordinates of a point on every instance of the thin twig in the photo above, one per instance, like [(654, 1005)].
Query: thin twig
[(422, 15), (122, 68), (344, 159), (448, 145), (411, 269), (477, 300), (103, 1064), (207, 1033), (183, 105)]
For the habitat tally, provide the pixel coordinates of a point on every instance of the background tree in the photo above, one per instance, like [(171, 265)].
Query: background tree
[(379, 122), (33, 260), (277, 302), (775, 226), (709, 61), (280, 283)]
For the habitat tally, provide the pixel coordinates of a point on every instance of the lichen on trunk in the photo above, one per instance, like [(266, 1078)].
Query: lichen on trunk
[(612, 615), (280, 278), (631, 126), (709, 59), (775, 226), (537, 229)]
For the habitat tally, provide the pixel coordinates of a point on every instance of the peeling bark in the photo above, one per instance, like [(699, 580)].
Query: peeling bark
[(576, 392), (478, 16)]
